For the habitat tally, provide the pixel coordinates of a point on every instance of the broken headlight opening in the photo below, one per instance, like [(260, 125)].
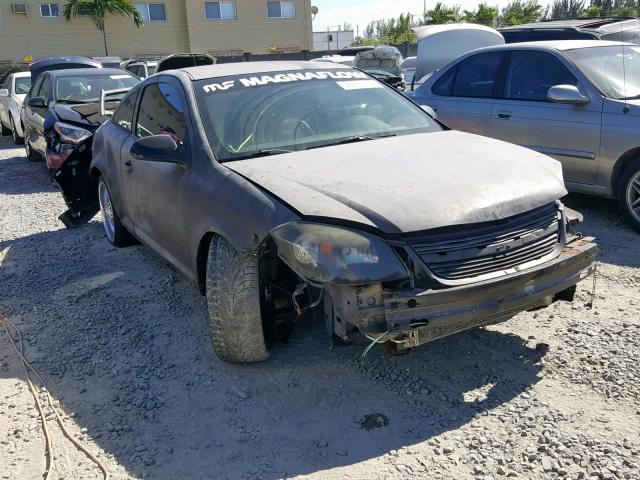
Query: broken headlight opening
[(324, 254), (70, 133)]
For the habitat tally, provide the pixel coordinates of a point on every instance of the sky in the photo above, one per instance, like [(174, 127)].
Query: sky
[(360, 12)]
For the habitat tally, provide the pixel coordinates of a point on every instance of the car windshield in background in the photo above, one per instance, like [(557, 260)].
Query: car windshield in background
[(631, 35), (615, 74), (87, 88), (22, 85), (264, 114), (151, 69)]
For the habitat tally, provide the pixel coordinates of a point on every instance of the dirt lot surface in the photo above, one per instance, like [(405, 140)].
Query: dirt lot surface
[(122, 342)]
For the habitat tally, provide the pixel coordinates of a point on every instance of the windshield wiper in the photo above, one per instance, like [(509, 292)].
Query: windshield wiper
[(259, 153), (634, 97), (354, 139)]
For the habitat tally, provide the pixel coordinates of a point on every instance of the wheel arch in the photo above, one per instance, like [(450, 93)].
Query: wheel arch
[(621, 164), (201, 260)]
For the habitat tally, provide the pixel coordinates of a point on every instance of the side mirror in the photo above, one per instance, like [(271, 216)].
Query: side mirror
[(430, 111), (4, 92), (567, 94), (37, 102), (157, 148)]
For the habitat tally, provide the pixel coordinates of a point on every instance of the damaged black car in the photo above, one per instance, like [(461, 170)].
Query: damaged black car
[(289, 187), (62, 111)]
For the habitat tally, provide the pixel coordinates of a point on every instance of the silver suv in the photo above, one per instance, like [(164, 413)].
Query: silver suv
[(577, 101)]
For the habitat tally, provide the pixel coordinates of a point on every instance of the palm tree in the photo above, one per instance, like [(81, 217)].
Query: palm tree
[(442, 14), (98, 10)]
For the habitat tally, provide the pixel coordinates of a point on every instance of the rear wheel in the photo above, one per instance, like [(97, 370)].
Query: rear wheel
[(117, 234), (233, 298), (17, 139), (629, 194)]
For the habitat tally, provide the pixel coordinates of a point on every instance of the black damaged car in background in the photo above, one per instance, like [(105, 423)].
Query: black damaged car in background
[(61, 113)]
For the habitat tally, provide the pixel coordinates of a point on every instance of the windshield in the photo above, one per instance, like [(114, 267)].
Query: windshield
[(86, 88), (22, 85), (631, 35), (298, 110), (615, 74)]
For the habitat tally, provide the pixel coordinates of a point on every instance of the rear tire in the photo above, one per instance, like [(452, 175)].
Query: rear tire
[(17, 139), (628, 194), (233, 298), (117, 234)]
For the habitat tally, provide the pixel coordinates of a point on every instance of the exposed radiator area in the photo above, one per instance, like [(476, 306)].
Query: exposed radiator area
[(484, 250)]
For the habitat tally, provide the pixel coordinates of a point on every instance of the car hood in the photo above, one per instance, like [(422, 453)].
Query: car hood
[(410, 183), (83, 114)]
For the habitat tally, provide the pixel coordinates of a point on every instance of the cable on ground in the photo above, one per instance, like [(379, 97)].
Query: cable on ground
[(26, 368)]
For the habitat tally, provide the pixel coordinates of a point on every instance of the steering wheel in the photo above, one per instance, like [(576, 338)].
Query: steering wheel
[(302, 124)]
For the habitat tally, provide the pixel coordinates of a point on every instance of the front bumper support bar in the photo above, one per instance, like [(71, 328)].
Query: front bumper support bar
[(419, 316)]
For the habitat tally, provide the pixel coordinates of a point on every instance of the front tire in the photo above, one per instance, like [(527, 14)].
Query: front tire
[(233, 298), (628, 195), (117, 234), (32, 155), (17, 139)]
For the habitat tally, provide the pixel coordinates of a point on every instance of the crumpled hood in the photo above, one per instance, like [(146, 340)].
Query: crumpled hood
[(83, 114), (410, 183)]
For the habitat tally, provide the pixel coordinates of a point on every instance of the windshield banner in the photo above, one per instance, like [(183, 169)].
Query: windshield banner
[(257, 81)]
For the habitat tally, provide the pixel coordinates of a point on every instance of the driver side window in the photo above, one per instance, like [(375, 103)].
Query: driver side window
[(161, 112), (531, 74)]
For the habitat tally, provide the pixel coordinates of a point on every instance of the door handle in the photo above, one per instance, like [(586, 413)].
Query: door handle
[(504, 114), (128, 166)]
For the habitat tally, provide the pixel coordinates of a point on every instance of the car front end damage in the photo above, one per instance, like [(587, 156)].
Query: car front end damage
[(444, 281), (69, 136), (68, 158)]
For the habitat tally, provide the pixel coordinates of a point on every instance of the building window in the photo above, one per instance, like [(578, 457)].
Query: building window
[(152, 12), (281, 10), (49, 10), (220, 10)]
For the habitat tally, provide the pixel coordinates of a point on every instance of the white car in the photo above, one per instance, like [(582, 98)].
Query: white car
[(12, 94)]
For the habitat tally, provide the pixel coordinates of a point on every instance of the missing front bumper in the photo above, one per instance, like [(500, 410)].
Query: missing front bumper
[(415, 317)]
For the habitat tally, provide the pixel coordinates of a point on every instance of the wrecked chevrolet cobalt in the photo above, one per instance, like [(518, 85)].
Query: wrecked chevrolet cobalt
[(286, 187)]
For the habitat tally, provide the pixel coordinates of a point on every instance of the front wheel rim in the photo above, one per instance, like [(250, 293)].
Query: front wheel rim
[(106, 207), (633, 196)]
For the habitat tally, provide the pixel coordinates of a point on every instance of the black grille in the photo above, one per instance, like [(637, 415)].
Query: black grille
[(478, 250)]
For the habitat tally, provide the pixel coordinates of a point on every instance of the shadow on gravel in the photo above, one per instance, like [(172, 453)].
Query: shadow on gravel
[(123, 343), (601, 217), (19, 176)]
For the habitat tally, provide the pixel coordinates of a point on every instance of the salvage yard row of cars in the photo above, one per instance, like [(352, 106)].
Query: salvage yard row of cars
[(285, 189)]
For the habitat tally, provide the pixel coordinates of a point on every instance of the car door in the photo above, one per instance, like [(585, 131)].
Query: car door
[(154, 190), (463, 95), (35, 116), (568, 132)]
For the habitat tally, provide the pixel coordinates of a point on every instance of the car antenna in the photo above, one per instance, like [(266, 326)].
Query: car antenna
[(625, 109)]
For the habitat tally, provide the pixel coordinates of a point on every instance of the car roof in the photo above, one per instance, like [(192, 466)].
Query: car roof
[(554, 45), (89, 71), (20, 74), (248, 68), (570, 23)]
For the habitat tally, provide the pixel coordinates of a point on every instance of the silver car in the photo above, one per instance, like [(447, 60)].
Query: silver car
[(578, 101), (12, 95)]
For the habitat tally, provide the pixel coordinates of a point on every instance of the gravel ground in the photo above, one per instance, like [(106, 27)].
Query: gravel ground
[(122, 341)]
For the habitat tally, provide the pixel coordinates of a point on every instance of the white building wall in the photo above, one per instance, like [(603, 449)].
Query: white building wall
[(332, 40)]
